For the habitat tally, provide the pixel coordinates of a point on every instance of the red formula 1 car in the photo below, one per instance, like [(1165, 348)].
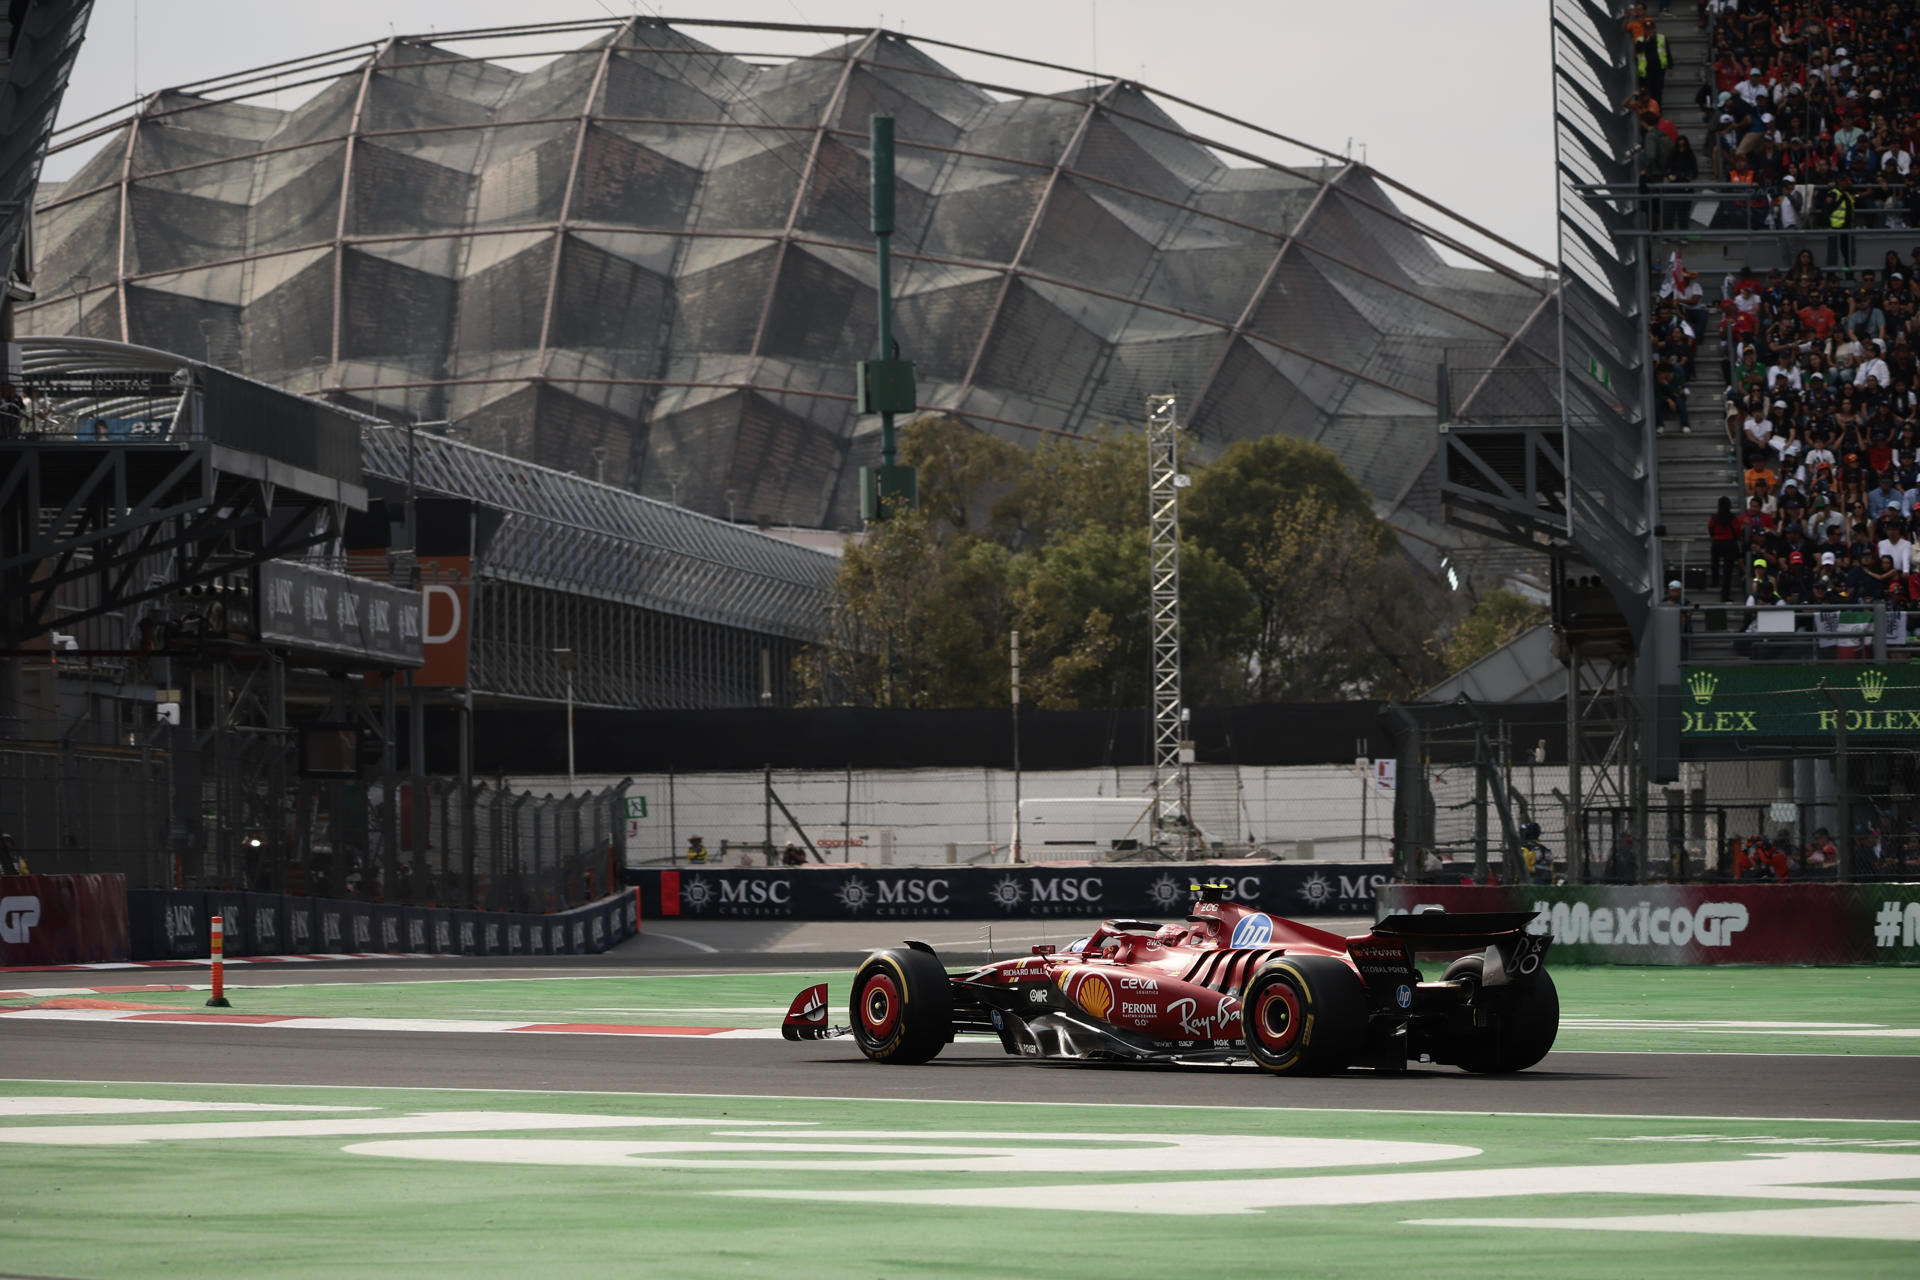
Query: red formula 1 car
[(1231, 985)]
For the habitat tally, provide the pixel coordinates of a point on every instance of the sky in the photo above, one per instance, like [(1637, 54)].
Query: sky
[(1452, 100)]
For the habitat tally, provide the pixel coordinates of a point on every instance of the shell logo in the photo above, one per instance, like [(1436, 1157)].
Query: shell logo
[(1091, 991)]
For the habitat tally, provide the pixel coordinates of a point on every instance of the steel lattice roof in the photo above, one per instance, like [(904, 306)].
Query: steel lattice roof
[(650, 255)]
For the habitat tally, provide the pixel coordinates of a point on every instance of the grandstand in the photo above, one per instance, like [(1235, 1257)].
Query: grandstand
[(617, 249)]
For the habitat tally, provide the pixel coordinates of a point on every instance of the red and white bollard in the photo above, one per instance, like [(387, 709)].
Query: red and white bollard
[(219, 1000)]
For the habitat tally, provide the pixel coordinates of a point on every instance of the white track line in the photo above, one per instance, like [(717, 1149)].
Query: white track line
[(786, 1098), (465, 1025)]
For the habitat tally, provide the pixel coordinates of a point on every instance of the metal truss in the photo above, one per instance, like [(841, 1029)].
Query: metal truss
[(104, 521), (1506, 482), (576, 537), (1164, 482), (1606, 775)]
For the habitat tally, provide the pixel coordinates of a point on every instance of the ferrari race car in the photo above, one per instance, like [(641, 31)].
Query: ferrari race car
[(1230, 985)]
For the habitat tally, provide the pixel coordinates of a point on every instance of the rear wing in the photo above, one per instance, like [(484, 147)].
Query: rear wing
[(1511, 952), (1455, 931)]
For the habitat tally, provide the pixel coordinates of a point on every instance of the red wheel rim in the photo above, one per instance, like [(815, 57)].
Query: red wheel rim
[(1276, 1018), (879, 1006)]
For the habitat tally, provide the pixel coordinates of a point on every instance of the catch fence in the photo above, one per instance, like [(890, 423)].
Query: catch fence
[(916, 817), (72, 809)]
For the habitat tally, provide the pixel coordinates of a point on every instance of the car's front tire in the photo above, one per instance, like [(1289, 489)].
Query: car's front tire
[(902, 1007), (1304, 1016)]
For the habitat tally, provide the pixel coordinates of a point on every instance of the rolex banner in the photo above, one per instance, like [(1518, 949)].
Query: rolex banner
[(1146, 891), (1816, 924), (1729, 704)]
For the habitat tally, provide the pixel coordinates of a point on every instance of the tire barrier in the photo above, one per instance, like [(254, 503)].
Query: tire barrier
[(1153, 891), (62, 919), (171, 924), (1806, 924)]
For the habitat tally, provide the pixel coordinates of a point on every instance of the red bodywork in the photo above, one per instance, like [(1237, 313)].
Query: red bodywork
[(1180, 983)]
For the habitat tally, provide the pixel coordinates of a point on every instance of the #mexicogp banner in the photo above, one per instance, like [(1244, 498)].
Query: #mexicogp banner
[(62, 919), (1816, 924)]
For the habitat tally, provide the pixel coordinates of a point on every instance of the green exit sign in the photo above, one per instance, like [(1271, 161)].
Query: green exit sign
[(636, 806)]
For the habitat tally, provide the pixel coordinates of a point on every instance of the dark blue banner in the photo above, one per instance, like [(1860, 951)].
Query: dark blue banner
[(170, 924), (1115, 890)]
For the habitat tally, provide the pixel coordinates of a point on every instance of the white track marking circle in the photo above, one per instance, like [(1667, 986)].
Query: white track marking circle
[(955, 1151)]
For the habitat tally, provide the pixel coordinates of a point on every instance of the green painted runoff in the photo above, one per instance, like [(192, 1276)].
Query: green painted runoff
[(271, 1203)]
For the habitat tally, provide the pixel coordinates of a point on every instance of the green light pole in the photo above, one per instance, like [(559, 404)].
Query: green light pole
[(886, 385)]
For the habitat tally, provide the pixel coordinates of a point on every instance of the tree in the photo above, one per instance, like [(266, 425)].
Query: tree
[(1290, 588), (1341, 613), (1501, 617), (1081, 604), (963, 472), (919, 619), (1066, 484), (1231, 505)]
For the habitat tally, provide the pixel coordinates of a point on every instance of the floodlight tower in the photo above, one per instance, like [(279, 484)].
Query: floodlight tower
[(885, 386), (1172, 748)]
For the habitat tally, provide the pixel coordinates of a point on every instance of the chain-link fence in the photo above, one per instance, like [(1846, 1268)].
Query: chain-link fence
[(926, 816), (74, 809), (1788, 818), (498, 849)]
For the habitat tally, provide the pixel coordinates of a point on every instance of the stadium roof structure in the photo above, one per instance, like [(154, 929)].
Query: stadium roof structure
[(612, 248)]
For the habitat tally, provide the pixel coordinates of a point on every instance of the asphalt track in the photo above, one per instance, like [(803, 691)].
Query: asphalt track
[(1834, 1086)]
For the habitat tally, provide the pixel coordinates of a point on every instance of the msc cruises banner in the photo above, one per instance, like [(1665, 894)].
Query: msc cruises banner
[(1120, 891)]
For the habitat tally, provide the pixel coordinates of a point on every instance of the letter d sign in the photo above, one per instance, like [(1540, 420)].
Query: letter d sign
[(448, 613)]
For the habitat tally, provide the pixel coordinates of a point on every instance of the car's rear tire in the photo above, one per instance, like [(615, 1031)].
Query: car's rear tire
[(902, 1007), (1304, 1016), (1522, 1024)]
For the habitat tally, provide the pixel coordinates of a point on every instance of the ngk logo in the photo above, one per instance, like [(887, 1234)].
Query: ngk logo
[(17, 918)]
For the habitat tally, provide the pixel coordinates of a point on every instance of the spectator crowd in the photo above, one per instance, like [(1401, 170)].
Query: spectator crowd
[(1816, 107)]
